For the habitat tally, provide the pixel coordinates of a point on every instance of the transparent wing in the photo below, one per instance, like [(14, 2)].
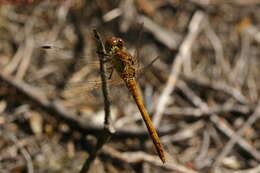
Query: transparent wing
[(84, 84), (63, 53), (66, 54), (79, 88), (88, 94)]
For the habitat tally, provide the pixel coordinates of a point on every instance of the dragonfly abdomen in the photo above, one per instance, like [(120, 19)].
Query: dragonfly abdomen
[(134, 90)]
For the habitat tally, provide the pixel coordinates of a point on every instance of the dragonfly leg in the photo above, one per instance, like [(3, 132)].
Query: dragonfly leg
[(111, 73), (143, 69), (107, 57)]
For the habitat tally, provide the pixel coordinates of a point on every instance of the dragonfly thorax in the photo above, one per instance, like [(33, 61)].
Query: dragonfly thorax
[(123, 62)]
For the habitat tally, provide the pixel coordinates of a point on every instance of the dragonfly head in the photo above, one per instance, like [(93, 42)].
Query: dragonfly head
[(113, 44)]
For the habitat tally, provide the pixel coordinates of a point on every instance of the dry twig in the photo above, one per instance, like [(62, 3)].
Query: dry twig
[(236, 137), (217, 45), (24, 152), (216, 109), (219, 86), (166, 37), (135, 157), (225, 128), (108, 129), (194, 29)]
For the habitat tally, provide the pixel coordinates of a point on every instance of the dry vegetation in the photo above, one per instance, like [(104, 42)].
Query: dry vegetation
[(203, 93)]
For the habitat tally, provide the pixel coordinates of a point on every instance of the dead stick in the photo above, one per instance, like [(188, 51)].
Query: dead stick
[(108, 130)]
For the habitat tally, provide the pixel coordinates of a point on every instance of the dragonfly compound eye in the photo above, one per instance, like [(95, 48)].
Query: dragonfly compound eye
[(120, 43), (114, 43)]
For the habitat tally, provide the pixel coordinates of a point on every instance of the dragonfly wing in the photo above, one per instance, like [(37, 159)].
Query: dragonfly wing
[(62, 52), (76, 89), (88, 96)]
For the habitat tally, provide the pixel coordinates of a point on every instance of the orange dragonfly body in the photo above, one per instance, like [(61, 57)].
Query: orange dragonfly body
[(126, 66)]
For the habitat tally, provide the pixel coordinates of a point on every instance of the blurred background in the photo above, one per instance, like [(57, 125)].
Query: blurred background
[(202, 93)]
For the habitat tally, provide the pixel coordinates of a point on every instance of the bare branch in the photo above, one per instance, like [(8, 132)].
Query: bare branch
[(108, 130)]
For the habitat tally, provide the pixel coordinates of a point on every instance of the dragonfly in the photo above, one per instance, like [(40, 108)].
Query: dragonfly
[(125, 65), (127, 68)]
